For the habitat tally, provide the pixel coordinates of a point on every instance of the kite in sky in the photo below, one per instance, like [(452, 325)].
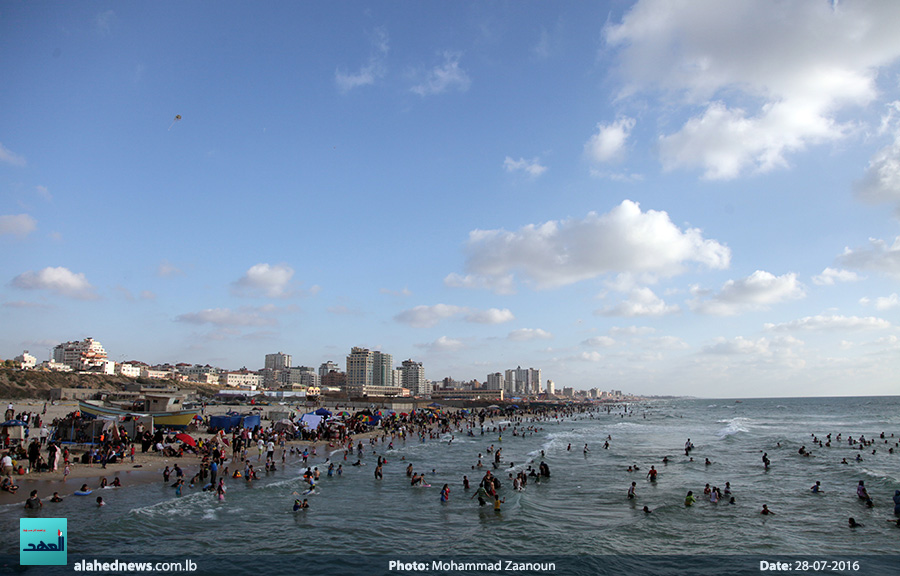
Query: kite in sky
[(177, 118)]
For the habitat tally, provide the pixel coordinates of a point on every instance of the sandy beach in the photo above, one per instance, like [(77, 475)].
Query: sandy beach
[(147, 467)]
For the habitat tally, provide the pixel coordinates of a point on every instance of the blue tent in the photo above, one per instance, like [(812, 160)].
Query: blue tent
[(231, 421), (322, 412)]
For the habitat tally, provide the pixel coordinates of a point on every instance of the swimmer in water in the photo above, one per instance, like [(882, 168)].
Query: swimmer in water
[(861, 491), (689, 499), (646, 510), (631, 490), (854, 524), (817, 489), (765, 510)]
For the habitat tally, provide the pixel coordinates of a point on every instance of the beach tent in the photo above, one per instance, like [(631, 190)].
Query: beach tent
[(284, 424), (322, 412), (311, 421), (232, 420)]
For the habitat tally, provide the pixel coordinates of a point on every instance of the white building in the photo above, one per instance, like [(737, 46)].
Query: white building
[(243, 379), (128, 370), (25, 360), (87, 354)]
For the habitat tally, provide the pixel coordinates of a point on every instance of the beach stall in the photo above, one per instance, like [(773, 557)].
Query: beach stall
[(12, 431)]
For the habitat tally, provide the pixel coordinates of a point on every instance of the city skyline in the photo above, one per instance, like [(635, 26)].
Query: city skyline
[(671, 198)]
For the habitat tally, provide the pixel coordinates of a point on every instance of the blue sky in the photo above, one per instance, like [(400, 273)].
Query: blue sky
[(659, 197)]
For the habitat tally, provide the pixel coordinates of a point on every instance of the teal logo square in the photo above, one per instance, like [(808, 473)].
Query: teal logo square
[(42, 541)]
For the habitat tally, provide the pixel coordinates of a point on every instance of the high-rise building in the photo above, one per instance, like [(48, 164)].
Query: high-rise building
[(495, 381), (413, 374), (551, 387), (302, 376), (382, 369), (279, 361), (326, 367), (535, 380), (360, 363)]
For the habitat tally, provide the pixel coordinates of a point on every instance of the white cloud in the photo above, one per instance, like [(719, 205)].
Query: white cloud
[(166, 268), (17, 225), (608, 144), (831, 323), (879, 257), (372, 71), (59, 280), (43, 192), (266, 280), (883, 302), (427, 316), (444, 344), (556, 254), (600, 342), (491, 316), (881, 182), (104, 21), (228, 317), (7, 156), (641, 302), (631, 330), (831, 275), (403, 293), (757, 291), (531, 167), (444, 77), (341, 310), (504, 284), (828, 58), (781, 350), (525, 334)]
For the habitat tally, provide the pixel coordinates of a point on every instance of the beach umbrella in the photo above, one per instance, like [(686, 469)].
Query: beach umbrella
[(322, 412), (13, 423), (342, 414), (493, 407), (187, 439)]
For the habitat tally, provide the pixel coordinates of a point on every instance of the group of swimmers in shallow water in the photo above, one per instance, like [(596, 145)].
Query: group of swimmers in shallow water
[(488, 489)]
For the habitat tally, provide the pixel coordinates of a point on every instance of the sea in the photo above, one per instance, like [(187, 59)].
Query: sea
[(578, 521)]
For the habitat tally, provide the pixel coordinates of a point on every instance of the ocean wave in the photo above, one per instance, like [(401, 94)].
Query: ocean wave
[(733, 426)]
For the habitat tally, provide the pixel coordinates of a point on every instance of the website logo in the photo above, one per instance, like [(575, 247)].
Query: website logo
[(42, 541)]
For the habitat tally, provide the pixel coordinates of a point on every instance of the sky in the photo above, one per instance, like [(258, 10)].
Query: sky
[(660, 197)]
